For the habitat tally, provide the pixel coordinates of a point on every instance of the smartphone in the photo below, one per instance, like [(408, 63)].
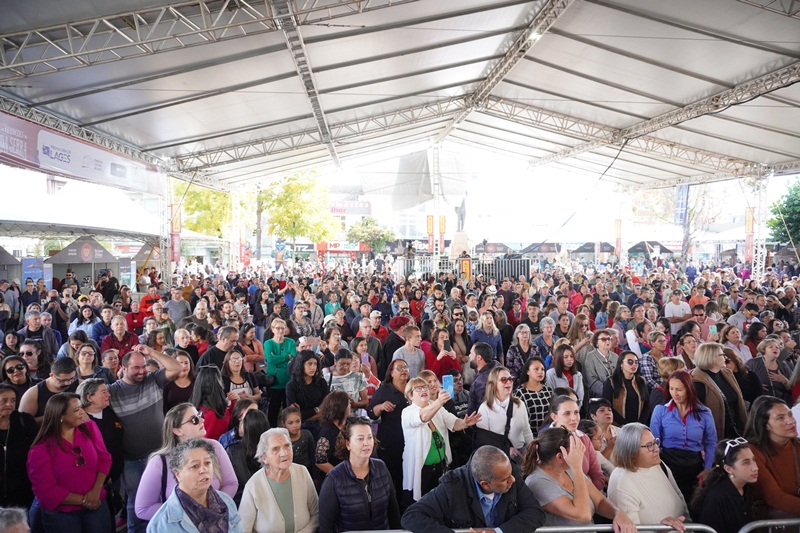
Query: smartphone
[(712, 329), (447, 384), (365, 358), (448, 347)]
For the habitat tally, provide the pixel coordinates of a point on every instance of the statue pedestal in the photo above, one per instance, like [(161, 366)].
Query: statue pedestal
[(459, 244)]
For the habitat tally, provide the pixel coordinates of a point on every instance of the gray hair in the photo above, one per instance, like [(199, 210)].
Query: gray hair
[(32, 313), (626, 450), (484, 461), (263, 442), (119, 317), (177, 458), (12, 516), (547, 321), (87, 388), (44, 314)]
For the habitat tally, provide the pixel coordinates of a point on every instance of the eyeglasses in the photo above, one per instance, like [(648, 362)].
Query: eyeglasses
[(421, 388), (505, 379), (652, 445), (26, 353), (80, 460), (401, 368), (16, 368), (68, 381), (604, 339), (632, 362), (235, 359), (458, 380), (734, 443), (195, 420)]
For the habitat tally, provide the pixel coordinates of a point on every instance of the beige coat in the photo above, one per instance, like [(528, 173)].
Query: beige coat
[(260, 513)]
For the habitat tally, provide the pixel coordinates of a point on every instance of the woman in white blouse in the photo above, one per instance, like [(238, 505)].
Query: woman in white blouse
[(493, 411), (426, 428)]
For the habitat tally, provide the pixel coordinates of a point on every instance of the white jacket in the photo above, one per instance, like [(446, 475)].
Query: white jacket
[(259, 510), (418, 441)]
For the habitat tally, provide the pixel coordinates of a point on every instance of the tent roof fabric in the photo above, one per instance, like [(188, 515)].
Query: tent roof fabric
[(83, 250), (646, 247), (588, 248), (7, 259), (239, 93)]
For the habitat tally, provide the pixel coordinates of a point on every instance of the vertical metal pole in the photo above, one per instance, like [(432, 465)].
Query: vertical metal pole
[(437, 193), (760, 217), (164, 239)]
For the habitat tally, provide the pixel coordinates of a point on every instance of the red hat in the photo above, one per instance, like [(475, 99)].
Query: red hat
[(398, 322)]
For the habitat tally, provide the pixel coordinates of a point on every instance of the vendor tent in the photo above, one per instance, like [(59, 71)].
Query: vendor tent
[(589, 248), (9, 265), (541, 248), (649, 247), (85, 255)]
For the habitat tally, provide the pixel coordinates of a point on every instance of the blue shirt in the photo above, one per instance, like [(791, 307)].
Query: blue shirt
[(489, 507), (688, 433)]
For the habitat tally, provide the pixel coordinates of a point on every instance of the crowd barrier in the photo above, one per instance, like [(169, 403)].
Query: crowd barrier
[(773, 526), (491, 268)]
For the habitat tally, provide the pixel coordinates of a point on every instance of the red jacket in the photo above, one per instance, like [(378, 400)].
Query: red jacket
[(124, 346)]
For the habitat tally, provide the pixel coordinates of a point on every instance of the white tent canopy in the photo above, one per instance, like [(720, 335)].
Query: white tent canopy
[(238, 93)]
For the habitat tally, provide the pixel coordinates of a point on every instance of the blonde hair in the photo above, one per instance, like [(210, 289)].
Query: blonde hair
[(668, 365)]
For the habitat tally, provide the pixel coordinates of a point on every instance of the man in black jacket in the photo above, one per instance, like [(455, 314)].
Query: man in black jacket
[(486, 494)]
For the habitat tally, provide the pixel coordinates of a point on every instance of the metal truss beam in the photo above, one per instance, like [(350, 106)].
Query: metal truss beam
[(717, 103), (285, 18), (545, 18), (591, 131), (780, 169), (339, 133), (790, 8), (152, 30)]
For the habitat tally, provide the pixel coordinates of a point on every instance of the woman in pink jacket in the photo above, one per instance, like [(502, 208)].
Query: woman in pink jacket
[(67, 466)]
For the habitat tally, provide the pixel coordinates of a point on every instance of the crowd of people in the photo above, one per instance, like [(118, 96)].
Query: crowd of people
[(307, 400)]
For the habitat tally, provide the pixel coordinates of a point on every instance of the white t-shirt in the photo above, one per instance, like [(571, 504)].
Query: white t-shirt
[(677, 310)]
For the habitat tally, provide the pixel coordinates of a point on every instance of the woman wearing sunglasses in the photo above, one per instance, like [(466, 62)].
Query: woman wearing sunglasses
[(497, 408), (627, 391), (181, 423), (67, 466), (426, 428), (16, 375), (724, 500)]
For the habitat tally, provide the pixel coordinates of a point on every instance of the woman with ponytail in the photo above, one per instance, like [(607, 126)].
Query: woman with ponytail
[(724, 499), (553, 469)]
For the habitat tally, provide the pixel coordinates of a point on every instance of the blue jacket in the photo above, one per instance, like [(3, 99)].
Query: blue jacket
[(171, 518), (689, 434), (99, 331), (495, 342)]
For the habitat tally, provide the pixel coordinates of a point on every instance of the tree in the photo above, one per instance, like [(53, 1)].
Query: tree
[(367, 230), (297, 206), (786, 213), (701, 210), (204, 210)]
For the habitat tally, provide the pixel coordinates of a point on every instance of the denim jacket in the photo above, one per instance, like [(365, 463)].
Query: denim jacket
[(171, 517)]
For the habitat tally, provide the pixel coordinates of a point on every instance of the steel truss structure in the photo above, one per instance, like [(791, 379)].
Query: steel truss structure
[(159, 29)]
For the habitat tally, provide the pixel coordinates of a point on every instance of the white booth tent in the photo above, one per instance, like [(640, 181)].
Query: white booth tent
[(234, 93)]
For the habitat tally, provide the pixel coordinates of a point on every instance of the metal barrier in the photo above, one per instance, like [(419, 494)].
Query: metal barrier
[(770, 525), (599, 528), (423, 266)]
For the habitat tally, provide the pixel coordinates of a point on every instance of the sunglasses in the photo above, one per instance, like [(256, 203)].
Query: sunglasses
[(604, 339), (27, 353), (195, 420), (80, 460), (16, 368), (632, 362), (505, 379), (734, 443)]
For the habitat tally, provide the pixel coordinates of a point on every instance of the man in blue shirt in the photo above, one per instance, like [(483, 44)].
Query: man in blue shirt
[(486, 494)]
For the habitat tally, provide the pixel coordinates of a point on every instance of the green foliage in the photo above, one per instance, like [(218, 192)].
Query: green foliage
[(204, 210), (297, 206), (789, 206), (367, 230)]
